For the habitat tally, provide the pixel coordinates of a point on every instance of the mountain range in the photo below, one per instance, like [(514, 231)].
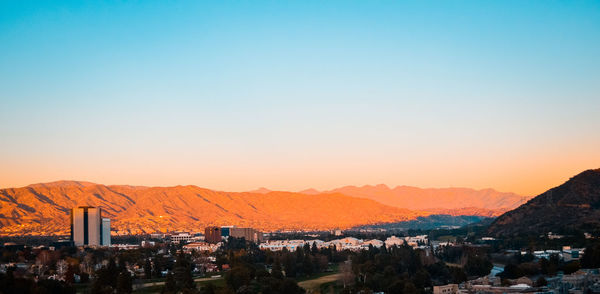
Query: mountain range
[(573, 207), (43, 209), (453, 201)]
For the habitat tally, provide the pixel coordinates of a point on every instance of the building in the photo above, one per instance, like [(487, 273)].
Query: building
[(415, 241), (278, 245), (148, 243), (375, 243), (569, 254), (87, 226), (126, 246), (201, 246), (575, 281), (393, 241), (225, 231), (105, 236), (446, 289), (216, 234), (249, 234), (348, 243), (159, 236), (212, 235), (181, 237)]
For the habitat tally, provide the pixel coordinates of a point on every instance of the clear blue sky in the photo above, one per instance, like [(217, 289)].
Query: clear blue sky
[(292, 94)]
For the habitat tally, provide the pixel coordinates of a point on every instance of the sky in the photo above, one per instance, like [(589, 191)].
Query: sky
[(235, 95)]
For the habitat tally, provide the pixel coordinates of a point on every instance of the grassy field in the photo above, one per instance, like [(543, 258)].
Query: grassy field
[(334, 269), (315, 284)]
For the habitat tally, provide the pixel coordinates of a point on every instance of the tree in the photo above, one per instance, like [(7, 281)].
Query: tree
[(478, 266), (70, 274), (421, 279), (321, 262), (104, 283), (300, 254), (124, 283), (458, 275), (51, 286), (591, 257), (511, 271), (544, 264), (240, 275), (183, 273), (148, 269), (290, 286), (170, 286), (571, 267), (307, 265), (208, 289), (347, 274), (549, 266), (306, 248), (160, 263), (112, 272), (409, 288), (541, 282), (289, 265), (314, 250), (61, 268), (276, 270)]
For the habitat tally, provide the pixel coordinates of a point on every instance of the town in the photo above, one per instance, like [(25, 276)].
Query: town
[(91, 259)]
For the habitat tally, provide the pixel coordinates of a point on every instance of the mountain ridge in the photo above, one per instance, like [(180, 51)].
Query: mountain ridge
[(572, 207), (454, 200), (43, 208)]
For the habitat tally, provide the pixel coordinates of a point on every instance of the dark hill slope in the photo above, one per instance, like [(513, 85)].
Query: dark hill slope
[(571, 207)]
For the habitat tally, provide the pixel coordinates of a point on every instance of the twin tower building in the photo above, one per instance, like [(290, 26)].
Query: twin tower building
[(88, 227)]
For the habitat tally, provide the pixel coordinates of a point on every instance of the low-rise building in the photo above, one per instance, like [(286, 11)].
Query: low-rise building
[(125, 246), (375, 243), (394, 241), (181, 237), (446, 289), (216, 234), (249, 234), (348, 243), (201, 246)]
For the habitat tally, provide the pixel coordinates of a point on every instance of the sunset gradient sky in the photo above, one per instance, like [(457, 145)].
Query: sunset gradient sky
[(233, 95)]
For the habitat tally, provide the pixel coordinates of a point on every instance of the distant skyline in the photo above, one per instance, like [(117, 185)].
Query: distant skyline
[(291, 95)]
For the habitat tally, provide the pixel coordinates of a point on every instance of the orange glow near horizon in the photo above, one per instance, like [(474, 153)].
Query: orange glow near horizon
[(528, 176)]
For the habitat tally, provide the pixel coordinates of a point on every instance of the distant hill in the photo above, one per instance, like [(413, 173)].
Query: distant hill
[(310, 191), (261, 190), (572, 206), (453, 201), (43, 209)]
